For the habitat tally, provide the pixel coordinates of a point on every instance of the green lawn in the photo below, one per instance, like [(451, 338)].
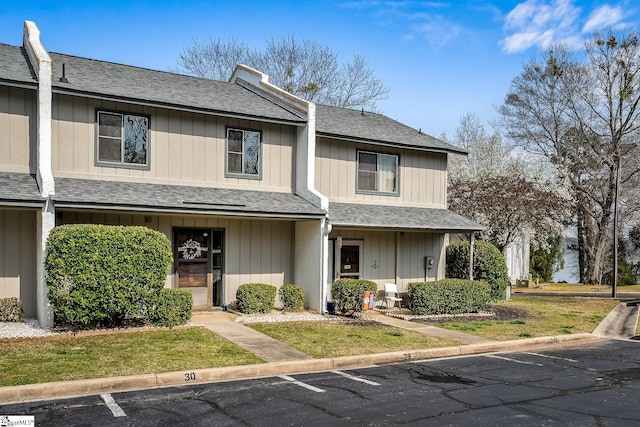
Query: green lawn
[(543, 316), (74, 358), (327, 339)]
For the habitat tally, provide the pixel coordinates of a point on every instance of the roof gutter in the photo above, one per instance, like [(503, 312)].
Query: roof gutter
[(392, 144)]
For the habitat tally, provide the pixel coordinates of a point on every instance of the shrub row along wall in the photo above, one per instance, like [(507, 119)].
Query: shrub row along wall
[(347, 293), (99, 275), (260, 297), (449, 296)]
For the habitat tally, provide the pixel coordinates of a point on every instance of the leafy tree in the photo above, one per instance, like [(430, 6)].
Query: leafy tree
[(545, 261), (302, 67), (582, 115)]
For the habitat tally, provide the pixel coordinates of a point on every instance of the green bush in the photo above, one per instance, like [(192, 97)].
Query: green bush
[(448, 296), (488, 265), (10, 309), (292, 297), (347, 294), (170, 307), (255, 298), (98, 275)]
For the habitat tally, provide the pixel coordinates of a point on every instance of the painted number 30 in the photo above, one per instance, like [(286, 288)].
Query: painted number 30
[(190, 376)]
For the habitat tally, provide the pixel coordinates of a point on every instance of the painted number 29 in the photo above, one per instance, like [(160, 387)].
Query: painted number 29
[(190, 376)]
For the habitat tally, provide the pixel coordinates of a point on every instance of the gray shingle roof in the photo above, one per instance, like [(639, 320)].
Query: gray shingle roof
[(374, 128), (14, 65), (398, 217), (19, 189), (179, 198), (108, 79)]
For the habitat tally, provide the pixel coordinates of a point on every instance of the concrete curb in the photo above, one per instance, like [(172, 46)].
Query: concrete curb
[(69, 389)]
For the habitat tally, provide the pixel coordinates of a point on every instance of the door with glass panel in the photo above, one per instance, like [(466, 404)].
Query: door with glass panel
[(349, 260), (198, 255)]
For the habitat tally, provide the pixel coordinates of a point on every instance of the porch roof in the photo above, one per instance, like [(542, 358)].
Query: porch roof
[(19, 189), (398, 217), (143, 197)]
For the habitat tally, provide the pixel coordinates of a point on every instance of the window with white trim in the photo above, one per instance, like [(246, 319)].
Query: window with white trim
[(122, 140), (244, 153), (377, 173)]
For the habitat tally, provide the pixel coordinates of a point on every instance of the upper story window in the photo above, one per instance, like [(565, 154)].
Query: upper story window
[(244, 153), (123, 140), (377, 172)]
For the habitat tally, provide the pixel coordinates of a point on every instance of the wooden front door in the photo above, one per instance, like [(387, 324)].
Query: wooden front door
[(198, 264)]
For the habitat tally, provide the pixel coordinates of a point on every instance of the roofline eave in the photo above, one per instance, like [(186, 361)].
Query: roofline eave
[(391, 144)]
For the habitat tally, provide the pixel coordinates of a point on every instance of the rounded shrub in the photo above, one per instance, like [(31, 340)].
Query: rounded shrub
[(10, 309), (170, 307), (347, 294), (255, 298), (98, 275), (488, 265), (448, 296), (292, 297)]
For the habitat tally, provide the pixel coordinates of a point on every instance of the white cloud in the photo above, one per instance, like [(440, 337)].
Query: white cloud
[(602, 17), (540, 23), (437, 30)]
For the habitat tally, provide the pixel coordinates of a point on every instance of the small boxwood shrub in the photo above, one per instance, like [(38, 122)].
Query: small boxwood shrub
[(255, 298), (347, 293), (170, 307), (448, 296), (488, 265), (98, 275), (292, 297), (10, 309)]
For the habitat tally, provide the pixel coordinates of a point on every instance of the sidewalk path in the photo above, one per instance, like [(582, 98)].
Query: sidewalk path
[(620, 323), (263, 346), (428, 330)]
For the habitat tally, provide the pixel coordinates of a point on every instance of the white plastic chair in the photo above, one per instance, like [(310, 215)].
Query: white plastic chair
[(391, 295)]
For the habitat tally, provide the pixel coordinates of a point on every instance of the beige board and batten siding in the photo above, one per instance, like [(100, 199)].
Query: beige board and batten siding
[(17, 257), (17, 129), (186, 148), (255, 250), (396, 256), (423, 175)]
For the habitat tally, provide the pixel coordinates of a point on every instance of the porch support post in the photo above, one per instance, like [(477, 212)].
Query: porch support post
[(471, 245)]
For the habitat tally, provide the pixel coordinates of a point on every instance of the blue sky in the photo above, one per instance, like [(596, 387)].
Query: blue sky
[(441, 59)]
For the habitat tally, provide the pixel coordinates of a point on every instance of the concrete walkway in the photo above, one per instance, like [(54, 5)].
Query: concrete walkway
[(271, 350), (263, 346), (621, 322), (428, 329)]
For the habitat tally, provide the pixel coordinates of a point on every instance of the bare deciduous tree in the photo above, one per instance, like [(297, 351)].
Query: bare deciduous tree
[(305, 68), (582, 115)]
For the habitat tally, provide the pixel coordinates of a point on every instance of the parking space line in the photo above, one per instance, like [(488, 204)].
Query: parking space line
[(113, 406), (354, 378), (301, 384), (553, 357), (514, 360)]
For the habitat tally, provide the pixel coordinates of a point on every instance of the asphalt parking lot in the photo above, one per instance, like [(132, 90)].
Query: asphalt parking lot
[(593, 383)]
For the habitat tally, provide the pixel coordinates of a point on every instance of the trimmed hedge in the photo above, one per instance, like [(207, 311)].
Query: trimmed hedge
[(10, 309), (170, 307), (488, 265), (347, 293), (98, 275), (292, 297), (255, 298), (448, 296)]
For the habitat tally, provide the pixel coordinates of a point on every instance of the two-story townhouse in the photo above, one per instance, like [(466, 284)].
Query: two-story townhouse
[(228, 171)]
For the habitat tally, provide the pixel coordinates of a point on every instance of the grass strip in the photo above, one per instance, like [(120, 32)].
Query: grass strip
[(76, 358), (328, 339)]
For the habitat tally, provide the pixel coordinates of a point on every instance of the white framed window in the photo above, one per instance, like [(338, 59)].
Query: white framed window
[(122, 140), (244, 153), (377, 173)]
